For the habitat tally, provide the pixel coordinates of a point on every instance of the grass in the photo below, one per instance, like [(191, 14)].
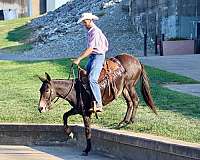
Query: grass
[(13, 35), (179, 114)]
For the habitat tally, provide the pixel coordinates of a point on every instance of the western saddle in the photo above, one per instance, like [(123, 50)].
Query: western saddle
[(111, 70)]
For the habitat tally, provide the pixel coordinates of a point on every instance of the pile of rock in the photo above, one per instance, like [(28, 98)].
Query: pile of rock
[(110, 3), (57, 34), (62, 21)]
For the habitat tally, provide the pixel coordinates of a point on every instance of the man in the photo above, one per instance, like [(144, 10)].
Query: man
[(97, 45)]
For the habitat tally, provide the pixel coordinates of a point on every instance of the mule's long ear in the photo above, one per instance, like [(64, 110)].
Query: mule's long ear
[(48, 77), (41, 78)]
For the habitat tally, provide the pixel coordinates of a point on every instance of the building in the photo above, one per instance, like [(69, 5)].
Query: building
[(11, 9), (36, 7), (54, 4), (173, 18)]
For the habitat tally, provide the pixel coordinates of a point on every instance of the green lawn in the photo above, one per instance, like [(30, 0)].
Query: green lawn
[(179, 114), (13, 34)]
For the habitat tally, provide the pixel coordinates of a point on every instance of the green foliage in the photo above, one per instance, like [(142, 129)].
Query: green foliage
[(179, 114)]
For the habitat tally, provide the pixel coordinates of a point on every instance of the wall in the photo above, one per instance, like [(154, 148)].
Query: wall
[(168, 26), (59, 3), (174, 18), (21, 6), (31, 7), (187, 27), (50, 5), (153, 15), (180, 47), (54, 4), (123, 145), (24, 7), (35, 7)]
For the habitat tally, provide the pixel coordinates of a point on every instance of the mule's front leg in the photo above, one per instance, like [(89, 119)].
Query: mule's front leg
[(65, 120), (86, 120)]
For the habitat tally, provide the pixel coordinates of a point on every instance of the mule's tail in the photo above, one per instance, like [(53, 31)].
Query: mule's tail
[(145, 89)]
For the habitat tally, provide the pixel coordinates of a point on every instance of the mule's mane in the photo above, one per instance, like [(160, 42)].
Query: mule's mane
[(61, 81)]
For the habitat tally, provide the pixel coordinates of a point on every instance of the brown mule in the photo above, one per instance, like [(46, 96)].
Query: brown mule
[(77, 96)]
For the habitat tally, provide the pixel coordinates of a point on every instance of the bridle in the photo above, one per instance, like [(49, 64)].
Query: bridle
[(71, 73)]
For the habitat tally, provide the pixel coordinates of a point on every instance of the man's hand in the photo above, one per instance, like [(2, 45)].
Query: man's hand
[(76, 61), (83, 55)]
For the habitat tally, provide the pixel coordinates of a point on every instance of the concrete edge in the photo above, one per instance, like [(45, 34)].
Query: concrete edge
[(144, 141), (104, 140)]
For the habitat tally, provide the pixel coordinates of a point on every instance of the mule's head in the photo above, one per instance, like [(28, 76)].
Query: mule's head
[(47, 94)]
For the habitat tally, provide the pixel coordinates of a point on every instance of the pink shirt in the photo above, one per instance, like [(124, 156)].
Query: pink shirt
[(97, 40)]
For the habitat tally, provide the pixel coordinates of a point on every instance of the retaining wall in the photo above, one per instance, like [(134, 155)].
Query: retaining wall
[(123, 145), (180, 47)]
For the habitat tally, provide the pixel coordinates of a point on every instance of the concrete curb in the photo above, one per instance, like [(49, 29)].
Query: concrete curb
[(124, 145), (25, 134)]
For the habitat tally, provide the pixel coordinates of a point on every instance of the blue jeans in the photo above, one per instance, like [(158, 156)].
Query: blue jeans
[(94, 67)]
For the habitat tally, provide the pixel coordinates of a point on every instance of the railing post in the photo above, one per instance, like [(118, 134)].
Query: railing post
[(156, 45), (145, 44), (161, 44), (196, 46)]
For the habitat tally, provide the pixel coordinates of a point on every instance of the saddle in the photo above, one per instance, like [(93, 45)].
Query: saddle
[(111, 70)]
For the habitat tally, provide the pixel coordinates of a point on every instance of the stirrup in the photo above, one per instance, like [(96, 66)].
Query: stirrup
[(94, 107)]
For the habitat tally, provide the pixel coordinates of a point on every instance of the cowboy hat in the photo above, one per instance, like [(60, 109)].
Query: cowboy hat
[(85, 16)]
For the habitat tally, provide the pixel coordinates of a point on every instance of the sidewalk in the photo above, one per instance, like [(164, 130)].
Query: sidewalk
[(186, 65), (10, 152)]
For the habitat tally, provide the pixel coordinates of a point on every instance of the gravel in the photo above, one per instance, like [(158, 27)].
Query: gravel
[(57, 35)]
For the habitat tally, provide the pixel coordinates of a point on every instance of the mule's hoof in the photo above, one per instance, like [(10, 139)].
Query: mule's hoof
[(133, 121), (84, 153), (119, 126), (71, 136), (122, 124)]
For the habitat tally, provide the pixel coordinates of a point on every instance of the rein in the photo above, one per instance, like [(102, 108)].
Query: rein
[(79, 88)]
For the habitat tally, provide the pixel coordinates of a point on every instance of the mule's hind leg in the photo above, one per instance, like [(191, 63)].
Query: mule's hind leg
[(129, 111), (135, 100), (132, 101)]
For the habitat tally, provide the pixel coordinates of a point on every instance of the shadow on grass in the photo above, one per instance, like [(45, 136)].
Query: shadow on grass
[(19, 34)]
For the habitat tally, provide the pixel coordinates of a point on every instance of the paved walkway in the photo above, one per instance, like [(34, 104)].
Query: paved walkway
[(45, 153), (193, 89), (24, 57), (186, 65)]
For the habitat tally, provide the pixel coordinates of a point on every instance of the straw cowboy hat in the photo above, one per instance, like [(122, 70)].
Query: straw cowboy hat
[(85, 16)]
